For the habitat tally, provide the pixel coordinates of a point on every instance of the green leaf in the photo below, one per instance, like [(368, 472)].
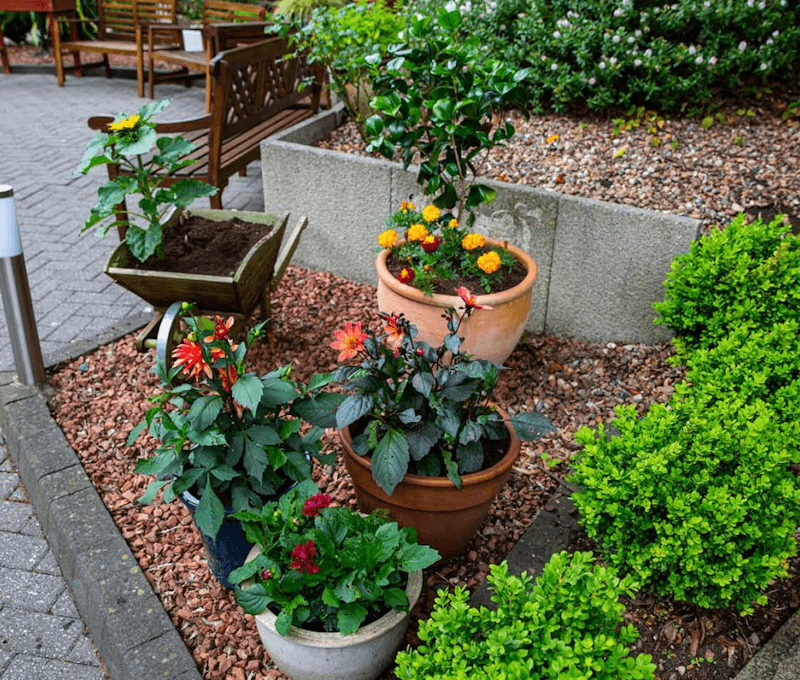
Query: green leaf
[(95, 154), (396, 598), (265, 435), (210, 512), (422, 439), (423, 383), (329, 598), (319, 410), (205, 410), (388, 103), (349, 617), (254, 600), (416, 557), (277, 392), (247, 390), (470, 457), (135, 432), (449, 20), (187, 190), (352, 408), (255, 459), (138, 144), (531, 426), (152, 489), (390, 460), (373, 126), (443, 110), (283, 623)]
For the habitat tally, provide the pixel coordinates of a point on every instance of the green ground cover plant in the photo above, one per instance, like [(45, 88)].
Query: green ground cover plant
[(564, 626), (663, 55), (747, 274)]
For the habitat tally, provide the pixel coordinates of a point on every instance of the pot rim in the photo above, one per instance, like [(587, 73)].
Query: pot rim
[(363, 635), (444, 301), (467, 480)]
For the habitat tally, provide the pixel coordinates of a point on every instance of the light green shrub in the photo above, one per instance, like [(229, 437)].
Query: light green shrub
[(744, 275), (565, 626), (696, 499)]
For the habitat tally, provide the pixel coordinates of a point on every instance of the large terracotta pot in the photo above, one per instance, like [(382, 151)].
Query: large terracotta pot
[(490, 334), (364, 655), (446, 518)]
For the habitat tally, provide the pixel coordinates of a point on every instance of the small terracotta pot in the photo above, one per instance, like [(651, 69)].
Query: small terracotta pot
[(446, 518), (364, 655), (490, 334)]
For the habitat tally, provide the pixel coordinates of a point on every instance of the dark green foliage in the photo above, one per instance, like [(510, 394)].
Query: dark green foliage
[(662, 54), (565, 626), (696, 500), (744, 275)]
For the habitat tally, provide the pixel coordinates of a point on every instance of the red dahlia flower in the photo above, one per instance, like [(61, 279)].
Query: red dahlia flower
[(189, 354)]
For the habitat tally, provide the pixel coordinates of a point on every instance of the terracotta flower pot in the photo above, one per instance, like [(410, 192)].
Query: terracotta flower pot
[(446, 518), (490, 334), (364, 655)]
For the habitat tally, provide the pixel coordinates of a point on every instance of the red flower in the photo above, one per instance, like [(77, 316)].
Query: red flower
[(394, 334), (469, 299), (266, 574), (314, 504), (222, 329), (189, 354), (350, 341), (406, 275), (303, 558), (430, 244)]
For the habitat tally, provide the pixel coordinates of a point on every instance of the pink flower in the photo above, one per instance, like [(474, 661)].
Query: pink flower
[(350, 341), (469, 299)]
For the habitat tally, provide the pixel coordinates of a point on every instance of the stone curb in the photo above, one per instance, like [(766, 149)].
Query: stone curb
[(125, 618)]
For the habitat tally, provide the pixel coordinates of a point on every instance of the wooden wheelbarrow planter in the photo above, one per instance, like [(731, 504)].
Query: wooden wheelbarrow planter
[(254, 280)]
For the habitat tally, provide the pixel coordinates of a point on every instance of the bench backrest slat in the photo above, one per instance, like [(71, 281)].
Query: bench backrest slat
[(219, 11), (117, 19)]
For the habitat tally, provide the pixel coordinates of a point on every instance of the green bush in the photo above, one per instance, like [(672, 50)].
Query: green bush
[(696, 500), (564, 626), (745, 275), (631, 52)]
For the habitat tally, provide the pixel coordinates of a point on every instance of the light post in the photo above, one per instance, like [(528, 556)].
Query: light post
[(17, 295)]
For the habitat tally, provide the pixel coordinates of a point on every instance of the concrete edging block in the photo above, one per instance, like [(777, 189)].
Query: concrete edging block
[(125, 618), (601, 265)]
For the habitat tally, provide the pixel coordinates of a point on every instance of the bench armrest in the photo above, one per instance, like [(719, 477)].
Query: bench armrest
[(102, 122)]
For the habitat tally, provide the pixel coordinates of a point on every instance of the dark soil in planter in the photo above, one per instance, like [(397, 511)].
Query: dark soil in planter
[(473, 283), (198, 245)]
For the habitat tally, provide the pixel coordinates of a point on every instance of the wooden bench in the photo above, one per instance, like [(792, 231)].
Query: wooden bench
[(245, 20), (255, 95), (120, 31)]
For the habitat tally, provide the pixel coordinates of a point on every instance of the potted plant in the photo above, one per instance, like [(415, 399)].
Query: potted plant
[(439, 95), (331, 589), (437, 255), (420, 434), (136, 263), (228, 440)]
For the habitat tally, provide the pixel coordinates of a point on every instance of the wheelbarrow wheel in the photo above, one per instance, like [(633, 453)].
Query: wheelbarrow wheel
[(169, 334)]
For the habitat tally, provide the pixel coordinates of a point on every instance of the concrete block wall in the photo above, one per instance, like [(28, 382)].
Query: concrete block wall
[(601, 265)]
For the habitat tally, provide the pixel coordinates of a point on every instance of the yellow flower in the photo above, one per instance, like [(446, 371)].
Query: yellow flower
[(405, 206), (472, 241), (416, 232), (489, 262), (125, 124), (431, 213), (552, 138), (388, 238), (453, 223)]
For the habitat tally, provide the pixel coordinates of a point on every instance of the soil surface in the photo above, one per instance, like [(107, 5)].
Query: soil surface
[(100, 397), (197, 245)]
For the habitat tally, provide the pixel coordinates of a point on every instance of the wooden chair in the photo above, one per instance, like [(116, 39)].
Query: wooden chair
[(255, 93), (4, 53), (196, 64), (120, 31)]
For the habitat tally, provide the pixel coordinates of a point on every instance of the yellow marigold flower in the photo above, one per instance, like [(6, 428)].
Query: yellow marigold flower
[(125, 124), (416, 232), (431, 213), (552, 138), (405, 206), (388, 238), (472, 241), (489, 262), (453, 223)]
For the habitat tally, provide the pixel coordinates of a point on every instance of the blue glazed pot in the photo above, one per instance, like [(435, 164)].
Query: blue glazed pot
[(228, 550)]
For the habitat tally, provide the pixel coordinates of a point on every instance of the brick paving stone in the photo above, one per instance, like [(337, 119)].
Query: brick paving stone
[(24, 667), (29, 590), (14, 516), (21, 552)]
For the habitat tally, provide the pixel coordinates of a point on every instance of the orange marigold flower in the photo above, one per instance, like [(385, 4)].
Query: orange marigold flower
[(388, 238), (406, 275), (189, 354), (472, 241), (394, 334), (405, 206), (453, 223), (489, 262), (430, 213), (349, 341), (222, 329), (417, 232), (469, 299)]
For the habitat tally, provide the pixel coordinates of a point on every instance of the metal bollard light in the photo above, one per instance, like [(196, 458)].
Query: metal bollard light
[(17, 295)]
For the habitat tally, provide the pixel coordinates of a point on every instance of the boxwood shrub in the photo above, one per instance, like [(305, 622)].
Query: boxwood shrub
[(745, 275), (696, 500), (659, 53), (566, 625)]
